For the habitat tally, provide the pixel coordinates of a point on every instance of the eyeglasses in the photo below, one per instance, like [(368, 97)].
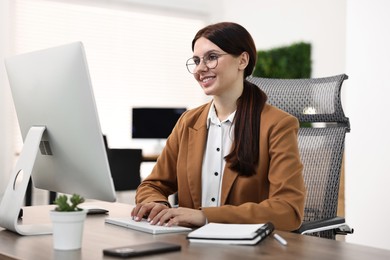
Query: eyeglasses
[(210, 60)]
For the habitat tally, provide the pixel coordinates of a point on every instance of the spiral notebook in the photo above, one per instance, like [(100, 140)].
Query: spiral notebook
[(237, 234)]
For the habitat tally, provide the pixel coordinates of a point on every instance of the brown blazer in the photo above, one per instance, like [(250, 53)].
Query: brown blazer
[(276, 193)]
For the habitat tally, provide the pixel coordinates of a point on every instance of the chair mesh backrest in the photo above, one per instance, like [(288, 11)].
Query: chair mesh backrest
[(321, 151), (321, 148)]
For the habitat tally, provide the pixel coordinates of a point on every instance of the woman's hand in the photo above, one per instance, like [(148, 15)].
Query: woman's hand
[(149, 210), (179, 217)]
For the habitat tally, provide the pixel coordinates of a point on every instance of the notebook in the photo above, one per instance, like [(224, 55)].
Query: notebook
[(144, 226), (233, 234)]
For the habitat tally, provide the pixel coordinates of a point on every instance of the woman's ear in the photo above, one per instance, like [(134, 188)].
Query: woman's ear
[(243, 60)]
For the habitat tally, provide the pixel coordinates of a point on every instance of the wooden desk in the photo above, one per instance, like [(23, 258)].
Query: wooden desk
[(98, 235)]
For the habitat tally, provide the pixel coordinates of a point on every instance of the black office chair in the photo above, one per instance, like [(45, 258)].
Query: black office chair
[(125, 167), (317, 105)]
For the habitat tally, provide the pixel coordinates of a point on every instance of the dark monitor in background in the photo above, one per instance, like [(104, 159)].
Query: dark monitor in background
[(154, 122)]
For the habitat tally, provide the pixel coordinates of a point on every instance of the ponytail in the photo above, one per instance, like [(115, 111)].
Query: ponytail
[(244, 157)]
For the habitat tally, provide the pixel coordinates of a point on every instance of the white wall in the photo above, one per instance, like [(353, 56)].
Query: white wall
[(282, 22), (367, 104)]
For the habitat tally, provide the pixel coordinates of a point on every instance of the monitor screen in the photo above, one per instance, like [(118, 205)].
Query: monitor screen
[(52, 91), (154, 122)]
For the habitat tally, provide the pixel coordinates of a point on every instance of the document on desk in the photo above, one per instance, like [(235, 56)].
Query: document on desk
[(234, 234), (145, 226)]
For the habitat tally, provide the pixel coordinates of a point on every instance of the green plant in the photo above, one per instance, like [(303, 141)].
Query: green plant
[(63, 204), (289, 62)]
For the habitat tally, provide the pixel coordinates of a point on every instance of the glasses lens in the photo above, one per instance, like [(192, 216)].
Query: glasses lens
[(191, 65), (211, 62)]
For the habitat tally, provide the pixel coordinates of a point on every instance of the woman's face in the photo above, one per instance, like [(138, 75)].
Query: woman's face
[(226, 77)]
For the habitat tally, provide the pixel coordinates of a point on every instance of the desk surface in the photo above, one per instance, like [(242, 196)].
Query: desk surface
[(98, 235)]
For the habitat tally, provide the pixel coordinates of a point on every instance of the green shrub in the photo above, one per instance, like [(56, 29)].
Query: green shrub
[(291, 62)]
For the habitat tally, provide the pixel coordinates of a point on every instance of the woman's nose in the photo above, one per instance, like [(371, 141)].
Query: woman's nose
[(201, 67)]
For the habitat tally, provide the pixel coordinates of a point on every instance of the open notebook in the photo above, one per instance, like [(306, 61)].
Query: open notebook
[(144, 226)]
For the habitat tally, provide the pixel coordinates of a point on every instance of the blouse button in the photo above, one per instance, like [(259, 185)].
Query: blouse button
[(218, 149), (216, 173), (212, 199)]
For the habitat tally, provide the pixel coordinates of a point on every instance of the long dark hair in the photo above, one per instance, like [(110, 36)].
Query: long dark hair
[(235, 39)]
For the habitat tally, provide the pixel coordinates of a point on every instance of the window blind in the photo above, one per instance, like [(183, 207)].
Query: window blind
[(136, 55)]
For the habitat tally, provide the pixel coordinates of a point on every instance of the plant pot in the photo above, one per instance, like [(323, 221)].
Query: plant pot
[(68, 229)]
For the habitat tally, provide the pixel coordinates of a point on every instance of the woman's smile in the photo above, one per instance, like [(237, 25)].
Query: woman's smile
[(206, 81)]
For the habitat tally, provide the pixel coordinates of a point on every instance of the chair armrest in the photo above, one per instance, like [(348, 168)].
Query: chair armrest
[(337, 223)]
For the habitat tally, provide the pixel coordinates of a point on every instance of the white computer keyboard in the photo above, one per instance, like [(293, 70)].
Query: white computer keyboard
[(145, 226)]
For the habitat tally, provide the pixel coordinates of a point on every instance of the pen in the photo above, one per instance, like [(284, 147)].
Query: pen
[(280, 239)]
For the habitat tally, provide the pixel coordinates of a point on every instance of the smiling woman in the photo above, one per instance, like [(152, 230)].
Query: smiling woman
[(127, 67), (234, 159)]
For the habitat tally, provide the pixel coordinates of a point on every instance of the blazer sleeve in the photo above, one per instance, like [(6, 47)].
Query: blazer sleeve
[(162, 181)]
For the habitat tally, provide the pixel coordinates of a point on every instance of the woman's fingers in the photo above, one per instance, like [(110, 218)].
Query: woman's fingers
[(147, 210), (179, 216)]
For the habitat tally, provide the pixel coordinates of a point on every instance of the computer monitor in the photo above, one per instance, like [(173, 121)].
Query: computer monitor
[(154, 122), (63, 147)]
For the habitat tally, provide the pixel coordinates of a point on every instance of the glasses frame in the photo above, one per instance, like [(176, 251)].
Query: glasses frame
[(205, 62)]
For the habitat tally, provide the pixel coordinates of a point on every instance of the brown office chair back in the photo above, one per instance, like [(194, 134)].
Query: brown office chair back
[(317, 105)]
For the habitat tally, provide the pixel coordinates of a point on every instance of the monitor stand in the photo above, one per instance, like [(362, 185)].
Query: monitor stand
[(16, 189)]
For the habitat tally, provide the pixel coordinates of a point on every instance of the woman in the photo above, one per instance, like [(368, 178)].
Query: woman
[(233, 160)]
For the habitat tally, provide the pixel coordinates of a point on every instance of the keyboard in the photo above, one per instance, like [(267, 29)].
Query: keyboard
[(144, 226)]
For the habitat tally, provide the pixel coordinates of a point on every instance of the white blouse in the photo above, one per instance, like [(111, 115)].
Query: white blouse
[(219, 141)]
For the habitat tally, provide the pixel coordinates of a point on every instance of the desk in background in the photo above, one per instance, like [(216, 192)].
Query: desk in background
[(98, 235), (149, 157)]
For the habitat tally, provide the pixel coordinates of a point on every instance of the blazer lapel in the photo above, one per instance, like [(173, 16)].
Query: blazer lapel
[(229, 177), (196, 145)]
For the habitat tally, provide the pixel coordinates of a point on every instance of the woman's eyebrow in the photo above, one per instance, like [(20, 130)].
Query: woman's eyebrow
[(206, 53)]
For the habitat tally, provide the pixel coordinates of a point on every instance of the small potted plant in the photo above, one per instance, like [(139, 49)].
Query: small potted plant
[(68, 222)]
